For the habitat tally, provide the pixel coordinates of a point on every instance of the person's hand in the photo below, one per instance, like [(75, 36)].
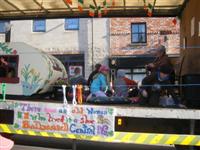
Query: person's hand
[(151, 65), (181, 106), (144, 93)]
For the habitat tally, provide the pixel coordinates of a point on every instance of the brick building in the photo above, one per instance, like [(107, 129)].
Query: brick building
[(87, 41), (141, 35)]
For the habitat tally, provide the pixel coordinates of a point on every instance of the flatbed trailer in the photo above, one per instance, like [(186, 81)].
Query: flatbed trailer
[(132, 124)]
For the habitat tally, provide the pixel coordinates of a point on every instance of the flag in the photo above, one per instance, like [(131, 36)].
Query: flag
[(149, 10), (91, 11), (99, 12), (112, 2), (80, 5), (69, 2), (174, 21), (105, 7), (145, 7)]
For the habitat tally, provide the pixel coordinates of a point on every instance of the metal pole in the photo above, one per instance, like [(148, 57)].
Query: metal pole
[(74, 144), (192, 130), (92, 45)]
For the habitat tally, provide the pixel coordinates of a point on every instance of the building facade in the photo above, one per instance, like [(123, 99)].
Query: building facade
[(87, 41), (140, 35)]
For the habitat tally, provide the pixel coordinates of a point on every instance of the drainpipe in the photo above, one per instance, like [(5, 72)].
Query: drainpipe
[(92, 44)]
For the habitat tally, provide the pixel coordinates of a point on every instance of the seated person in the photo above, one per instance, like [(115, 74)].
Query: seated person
[(161, 59), (122, 84), (152, 85), (77, 78), (90, 79), (99, 84)]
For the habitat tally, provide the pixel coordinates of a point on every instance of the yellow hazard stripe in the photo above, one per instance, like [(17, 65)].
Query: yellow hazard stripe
[(19, 132), (57, 135), (156, 139), (126, 137), (44, 134), (141, 138), (32, 133), (198, 144), (5, 128), (121, 137), (187, 140), (171, 139)]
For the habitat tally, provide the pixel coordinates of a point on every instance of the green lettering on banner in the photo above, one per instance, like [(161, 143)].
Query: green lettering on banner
[(3, 92)]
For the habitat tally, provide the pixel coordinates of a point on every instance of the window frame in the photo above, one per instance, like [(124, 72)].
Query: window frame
[(139, 23), (3, 23), (14, 79), (66, 27), (34, 29)]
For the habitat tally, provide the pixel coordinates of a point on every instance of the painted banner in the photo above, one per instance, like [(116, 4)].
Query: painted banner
[(82, 120)]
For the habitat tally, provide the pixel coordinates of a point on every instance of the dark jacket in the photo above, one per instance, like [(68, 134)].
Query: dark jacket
[(90, 79), (160, 61), (149, 83), (77, 80)]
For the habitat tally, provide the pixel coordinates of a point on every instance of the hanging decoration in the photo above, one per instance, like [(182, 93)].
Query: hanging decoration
[(105, 7), (174, 21), (149, 8), (145, 5), (92, 11), (69, 2), (99, 11), (112, 2), (80, 5)]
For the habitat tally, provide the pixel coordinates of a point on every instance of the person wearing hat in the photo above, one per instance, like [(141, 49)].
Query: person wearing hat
[(100, 84), (152, 85), (160, 60)]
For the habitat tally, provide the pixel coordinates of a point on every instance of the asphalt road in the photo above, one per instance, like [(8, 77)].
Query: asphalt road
[(41, 143)]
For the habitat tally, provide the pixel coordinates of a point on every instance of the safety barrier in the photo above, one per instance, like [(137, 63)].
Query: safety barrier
[(119, 137)]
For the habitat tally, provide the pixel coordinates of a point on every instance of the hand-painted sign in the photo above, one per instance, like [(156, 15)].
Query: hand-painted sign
[(82, 120)]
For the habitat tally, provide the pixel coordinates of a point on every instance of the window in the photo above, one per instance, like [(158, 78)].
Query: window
[(72, 24), (3, 26), (138, 33), (9, 69), (39, 25)]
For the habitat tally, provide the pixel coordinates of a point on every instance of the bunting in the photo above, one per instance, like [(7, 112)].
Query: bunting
[(80, 5), (145, 5), (150, 10), (69, 2), (92, 11), (112, 2), (105, 7), (99, 11)]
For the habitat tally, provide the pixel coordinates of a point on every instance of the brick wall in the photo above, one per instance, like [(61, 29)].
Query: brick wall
[(120, 35)]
